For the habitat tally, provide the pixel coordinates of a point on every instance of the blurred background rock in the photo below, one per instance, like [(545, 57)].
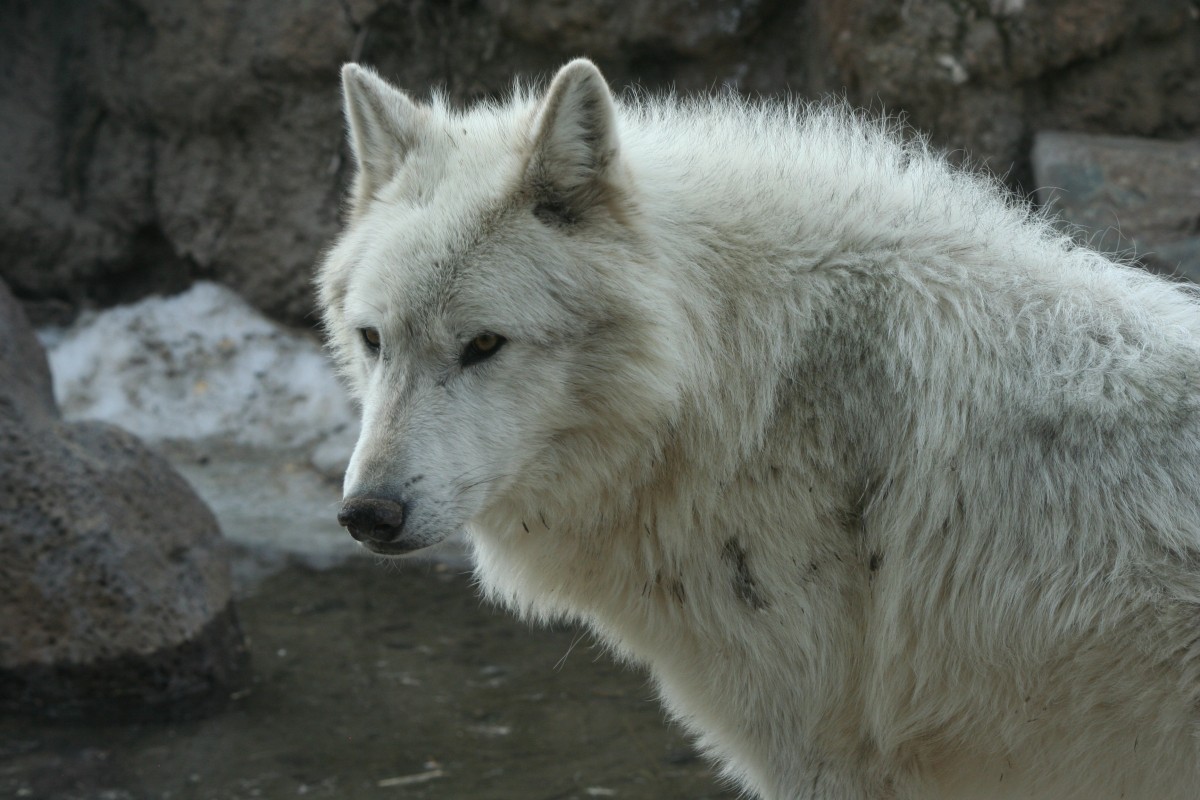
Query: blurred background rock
[(147, 143)]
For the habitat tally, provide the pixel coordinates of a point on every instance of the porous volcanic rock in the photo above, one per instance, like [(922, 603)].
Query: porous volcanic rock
[(115, 591)]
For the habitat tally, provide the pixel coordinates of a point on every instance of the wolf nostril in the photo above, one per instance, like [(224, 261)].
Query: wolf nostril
[(374, 519)]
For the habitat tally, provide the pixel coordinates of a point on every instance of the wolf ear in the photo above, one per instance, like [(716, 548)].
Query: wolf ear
[(574, 144), (384, 125)]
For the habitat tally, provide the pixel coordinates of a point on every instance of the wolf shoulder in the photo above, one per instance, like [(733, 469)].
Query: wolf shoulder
[(862, 256)]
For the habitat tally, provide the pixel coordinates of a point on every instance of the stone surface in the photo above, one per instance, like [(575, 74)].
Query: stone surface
[(983, 75), (115, 587), (148, 143), (611, 29), (1136, 196), (25, 383)]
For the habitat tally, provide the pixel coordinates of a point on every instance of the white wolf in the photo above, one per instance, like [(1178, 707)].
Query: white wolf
[(892, 487)]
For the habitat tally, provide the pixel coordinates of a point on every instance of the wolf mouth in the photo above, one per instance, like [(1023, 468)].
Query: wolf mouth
[(391, 548)]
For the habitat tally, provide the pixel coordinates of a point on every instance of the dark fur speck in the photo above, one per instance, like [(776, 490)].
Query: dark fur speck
[(744, 585), (555, 212)]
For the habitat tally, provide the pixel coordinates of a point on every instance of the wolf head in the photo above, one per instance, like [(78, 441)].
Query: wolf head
[(495, 308)]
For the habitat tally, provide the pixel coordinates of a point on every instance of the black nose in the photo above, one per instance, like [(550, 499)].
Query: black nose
[(372, 519)]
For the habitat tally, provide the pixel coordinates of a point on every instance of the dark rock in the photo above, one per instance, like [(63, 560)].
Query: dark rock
[(149, 143), (115, 583), (607, 28), (25, 385), (189, 679), (1132, 196)]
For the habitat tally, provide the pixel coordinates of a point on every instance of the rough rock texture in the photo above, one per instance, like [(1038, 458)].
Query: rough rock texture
[(150, 142), (1137, 196), (26, 388), (983, 75), (114, 586)]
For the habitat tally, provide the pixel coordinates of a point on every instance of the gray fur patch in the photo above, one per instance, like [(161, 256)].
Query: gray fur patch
[(744, 585), (555, 212)]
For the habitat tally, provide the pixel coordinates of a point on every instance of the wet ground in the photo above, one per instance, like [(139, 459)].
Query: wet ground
[(372, 680)]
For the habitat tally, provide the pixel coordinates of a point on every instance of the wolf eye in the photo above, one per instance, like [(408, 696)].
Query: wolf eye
[(370, 337), (481, 348)]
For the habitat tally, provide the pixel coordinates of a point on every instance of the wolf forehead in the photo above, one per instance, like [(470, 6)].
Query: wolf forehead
[(432, 276), (440, 241), (433, 152), (432, 213)]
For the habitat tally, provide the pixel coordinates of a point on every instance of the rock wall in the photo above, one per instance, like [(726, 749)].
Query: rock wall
[(146, 143)]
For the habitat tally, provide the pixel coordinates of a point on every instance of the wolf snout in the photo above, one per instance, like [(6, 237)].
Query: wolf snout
[(372, 520)]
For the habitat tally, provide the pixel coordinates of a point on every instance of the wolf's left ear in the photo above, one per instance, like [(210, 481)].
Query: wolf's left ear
[(384, 125), (574, 152)]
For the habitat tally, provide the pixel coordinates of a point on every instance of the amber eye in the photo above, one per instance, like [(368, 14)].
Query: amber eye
[(370, 337), (481, 348), (486, 342)]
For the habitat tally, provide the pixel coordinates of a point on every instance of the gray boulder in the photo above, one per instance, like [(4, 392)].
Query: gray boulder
[(115, 594), (1128, 195)]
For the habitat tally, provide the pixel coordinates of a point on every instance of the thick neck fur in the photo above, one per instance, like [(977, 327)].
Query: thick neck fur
[(614, 527)]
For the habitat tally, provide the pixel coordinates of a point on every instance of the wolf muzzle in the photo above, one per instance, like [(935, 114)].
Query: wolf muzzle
[(377, 522)]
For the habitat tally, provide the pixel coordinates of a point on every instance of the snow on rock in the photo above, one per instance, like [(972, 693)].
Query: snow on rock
[(201, 364)]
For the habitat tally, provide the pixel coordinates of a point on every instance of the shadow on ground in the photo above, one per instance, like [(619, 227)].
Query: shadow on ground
[(377, 681)]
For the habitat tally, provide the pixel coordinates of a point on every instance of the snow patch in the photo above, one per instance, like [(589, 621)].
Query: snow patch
[(201, 364)]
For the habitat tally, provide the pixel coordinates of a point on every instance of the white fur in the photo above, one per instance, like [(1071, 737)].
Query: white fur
[(891, 486)]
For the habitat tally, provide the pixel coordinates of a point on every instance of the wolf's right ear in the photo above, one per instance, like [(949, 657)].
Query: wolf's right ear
[(384, 125), (574, 144)]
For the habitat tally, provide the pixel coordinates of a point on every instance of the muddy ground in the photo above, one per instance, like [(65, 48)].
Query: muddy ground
[(377, 680)]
